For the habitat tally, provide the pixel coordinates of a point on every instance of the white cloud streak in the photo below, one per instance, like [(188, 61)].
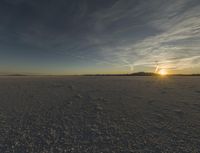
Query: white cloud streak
[(176, 45)]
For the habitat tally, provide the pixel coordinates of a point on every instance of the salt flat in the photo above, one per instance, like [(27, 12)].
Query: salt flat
[(107, 114)]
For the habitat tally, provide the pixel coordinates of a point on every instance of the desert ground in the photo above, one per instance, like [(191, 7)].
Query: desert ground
[(99, 114)]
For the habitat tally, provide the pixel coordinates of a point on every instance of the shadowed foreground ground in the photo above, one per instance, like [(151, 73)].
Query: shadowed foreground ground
[(99, 114)]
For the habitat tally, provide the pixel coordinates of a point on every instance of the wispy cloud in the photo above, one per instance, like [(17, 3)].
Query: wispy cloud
[(177, 36), (116, 33)]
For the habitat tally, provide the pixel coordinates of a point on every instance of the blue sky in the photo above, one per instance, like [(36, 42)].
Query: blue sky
[(99, 36)]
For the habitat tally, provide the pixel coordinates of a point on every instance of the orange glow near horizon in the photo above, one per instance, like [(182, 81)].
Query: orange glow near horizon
[(162, 72)]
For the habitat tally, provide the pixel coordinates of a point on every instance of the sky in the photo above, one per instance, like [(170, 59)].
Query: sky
[(99, 36)]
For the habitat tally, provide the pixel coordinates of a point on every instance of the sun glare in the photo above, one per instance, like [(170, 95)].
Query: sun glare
[(163, 72)]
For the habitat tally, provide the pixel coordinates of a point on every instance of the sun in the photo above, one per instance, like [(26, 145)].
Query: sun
[(162, 72)]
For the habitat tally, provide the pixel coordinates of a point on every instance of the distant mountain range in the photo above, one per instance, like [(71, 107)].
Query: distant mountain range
[(155, 74), (141, 74)]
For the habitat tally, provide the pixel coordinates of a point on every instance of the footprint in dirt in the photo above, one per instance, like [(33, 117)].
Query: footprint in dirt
[(198, 91), (71, 87), (150, 102), (179, 113)]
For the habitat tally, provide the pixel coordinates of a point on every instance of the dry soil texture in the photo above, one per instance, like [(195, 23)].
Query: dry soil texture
[(99, 114)]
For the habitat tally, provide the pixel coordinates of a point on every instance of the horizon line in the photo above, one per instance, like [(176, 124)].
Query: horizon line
[(105, 74)]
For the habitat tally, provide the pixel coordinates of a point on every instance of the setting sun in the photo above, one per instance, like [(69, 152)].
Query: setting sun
[(163, 72)]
